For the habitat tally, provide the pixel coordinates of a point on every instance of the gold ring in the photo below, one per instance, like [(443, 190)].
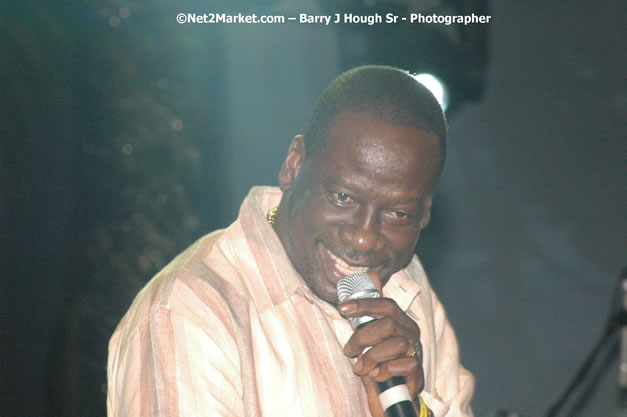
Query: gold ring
[(414, 350)]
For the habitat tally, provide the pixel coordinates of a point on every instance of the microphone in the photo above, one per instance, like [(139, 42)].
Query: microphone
[(393, 393)]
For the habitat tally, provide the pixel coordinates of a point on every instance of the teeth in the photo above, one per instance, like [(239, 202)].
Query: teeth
[(345, 268)]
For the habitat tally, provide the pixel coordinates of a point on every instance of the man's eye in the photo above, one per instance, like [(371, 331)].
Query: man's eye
[(400, 217), (343, 197), (340, 198)]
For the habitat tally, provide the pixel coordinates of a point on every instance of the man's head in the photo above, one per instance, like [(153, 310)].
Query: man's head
[(358, 185), (389, 93)]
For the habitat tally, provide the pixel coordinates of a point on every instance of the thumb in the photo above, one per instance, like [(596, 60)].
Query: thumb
[(374, 275)]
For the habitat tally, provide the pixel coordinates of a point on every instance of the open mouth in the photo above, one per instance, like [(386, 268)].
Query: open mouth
[(342, 268)]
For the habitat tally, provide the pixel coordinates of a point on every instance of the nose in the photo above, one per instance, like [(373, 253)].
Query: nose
[(362, 231)]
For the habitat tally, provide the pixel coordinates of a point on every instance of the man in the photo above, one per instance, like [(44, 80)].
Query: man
[(246, 321)]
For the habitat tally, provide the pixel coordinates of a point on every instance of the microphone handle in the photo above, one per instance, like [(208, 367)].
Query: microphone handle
[(393, 393), (402, 409), (394, 398)]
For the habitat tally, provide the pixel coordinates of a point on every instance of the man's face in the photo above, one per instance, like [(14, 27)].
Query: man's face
[(359, 203)]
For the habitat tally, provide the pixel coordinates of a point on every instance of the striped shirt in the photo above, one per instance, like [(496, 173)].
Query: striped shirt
[(229, 328)]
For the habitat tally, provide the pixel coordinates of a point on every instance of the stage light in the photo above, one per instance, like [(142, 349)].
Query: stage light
[(436, 86), (457, 55)]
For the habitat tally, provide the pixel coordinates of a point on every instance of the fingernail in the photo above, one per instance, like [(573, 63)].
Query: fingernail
[(358, 365), (348, 308)]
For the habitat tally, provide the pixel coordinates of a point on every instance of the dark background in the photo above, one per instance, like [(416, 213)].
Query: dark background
[(125, 136)]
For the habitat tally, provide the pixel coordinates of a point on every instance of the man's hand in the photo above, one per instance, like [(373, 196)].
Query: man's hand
[(389, 338)]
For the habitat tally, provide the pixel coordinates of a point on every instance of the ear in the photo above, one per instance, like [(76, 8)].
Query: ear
[(294, 162), (426, 218)]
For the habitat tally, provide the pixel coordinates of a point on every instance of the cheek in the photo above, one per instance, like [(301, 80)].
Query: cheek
[(403, 243), (319, 216), (306, 222)]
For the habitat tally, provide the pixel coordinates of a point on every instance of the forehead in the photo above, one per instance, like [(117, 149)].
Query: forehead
[(361, 145)]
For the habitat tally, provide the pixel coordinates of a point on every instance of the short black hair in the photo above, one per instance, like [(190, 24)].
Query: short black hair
[(389, 93)]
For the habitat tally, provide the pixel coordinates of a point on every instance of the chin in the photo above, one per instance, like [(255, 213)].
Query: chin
[(328, 294)]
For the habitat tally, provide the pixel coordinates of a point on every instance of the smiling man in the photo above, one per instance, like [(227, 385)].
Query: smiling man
[(247, 323)]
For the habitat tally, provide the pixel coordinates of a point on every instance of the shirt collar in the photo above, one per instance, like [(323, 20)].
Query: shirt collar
[(272, 253), (402, 286)]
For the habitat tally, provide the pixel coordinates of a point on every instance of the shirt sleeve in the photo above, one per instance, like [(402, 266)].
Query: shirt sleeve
[(170, 365), (454, 385)]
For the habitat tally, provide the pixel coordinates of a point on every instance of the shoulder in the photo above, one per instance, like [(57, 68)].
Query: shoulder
[(198, 285)]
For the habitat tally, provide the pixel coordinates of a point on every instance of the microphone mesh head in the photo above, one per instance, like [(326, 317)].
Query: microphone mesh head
[(356, 286)]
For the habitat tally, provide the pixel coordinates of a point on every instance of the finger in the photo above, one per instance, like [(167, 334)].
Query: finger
[(407, 367), (373, 396), (379, 308), (372, 334), (375, 307), (377, 330), (387, 350)]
